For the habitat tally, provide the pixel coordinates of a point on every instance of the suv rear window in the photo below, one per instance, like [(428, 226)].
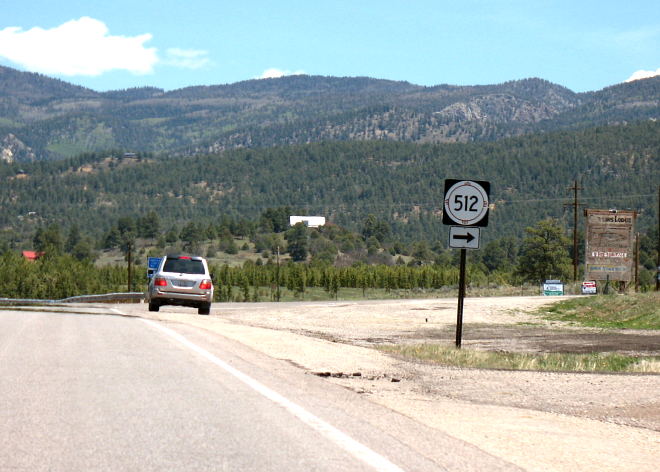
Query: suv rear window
[(184, 266)]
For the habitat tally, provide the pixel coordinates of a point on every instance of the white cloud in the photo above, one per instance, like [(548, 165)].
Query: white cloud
[(274, 73), (77, 47), (643, 74), (187, 58)]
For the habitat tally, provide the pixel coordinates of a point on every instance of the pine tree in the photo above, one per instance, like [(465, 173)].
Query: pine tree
[(297, 242), (544, 252)]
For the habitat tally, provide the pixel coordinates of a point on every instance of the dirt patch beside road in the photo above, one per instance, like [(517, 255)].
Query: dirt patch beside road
[(495, 324), (540, 339), (539, 420)]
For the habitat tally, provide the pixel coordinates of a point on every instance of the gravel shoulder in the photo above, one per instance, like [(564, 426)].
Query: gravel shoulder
[(540, 421)]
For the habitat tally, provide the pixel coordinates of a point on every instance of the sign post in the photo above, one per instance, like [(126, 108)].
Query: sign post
[(609, 245), (461, 299), (466, 204)]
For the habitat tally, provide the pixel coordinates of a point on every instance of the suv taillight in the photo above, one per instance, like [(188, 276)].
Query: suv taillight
[(160, 282), (206, 285)]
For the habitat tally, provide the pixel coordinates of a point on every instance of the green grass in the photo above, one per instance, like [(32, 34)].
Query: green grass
[(151, 121), (555, 362), (633, 311), (66, 149), (8, 122)]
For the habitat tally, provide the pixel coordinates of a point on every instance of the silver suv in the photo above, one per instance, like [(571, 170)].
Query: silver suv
[(181, 280)]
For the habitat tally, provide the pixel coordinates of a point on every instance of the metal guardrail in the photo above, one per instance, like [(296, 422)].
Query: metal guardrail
[(106, 297)]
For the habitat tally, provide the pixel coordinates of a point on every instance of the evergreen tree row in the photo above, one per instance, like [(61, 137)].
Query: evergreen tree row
[(542, 254)]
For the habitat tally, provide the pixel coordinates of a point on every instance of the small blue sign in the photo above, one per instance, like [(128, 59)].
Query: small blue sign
[(152, 265), (153, 262)]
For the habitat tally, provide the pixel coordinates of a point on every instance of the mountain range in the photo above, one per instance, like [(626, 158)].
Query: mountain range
[(42, 118)]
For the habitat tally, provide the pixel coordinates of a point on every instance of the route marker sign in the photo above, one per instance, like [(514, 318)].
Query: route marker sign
[(464, 237), (466, 202)]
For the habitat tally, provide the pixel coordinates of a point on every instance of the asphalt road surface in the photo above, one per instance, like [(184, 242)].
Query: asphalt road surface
[(96, 390)]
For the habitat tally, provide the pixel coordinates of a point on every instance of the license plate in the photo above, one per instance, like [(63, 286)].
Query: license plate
[(183, 283)]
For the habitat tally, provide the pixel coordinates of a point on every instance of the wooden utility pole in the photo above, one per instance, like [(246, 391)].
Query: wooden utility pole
[(637, 262), (575, 206), (130, 272), (277, 276)]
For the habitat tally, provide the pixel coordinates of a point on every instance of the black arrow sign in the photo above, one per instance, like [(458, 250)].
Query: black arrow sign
[(462, 237), (468, 237)]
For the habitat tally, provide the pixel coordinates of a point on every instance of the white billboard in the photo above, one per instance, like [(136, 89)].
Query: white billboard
[(311, 221)]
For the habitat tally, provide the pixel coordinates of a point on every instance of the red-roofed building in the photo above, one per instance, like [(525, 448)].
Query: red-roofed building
[(33, 255)]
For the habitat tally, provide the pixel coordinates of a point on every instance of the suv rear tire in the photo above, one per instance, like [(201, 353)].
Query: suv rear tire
[(153, 306), (204, 309)]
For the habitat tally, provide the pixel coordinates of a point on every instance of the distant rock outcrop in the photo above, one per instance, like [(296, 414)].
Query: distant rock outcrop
[(52, 119), (13, 149)]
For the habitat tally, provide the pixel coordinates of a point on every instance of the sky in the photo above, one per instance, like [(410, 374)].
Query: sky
[(584, 45)]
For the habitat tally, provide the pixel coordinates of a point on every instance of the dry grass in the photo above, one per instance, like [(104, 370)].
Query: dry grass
[(556, 362)]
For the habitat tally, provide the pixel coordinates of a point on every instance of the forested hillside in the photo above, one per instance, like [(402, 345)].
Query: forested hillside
[(46, 119), (399, 183)]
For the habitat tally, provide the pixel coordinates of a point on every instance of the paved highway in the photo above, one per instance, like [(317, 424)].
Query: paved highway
[(95, 390)]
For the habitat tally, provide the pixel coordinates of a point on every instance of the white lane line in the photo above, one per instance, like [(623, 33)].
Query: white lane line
[(340, 438)]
